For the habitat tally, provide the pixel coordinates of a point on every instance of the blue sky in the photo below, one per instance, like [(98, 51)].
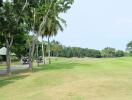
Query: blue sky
[(97, 24)]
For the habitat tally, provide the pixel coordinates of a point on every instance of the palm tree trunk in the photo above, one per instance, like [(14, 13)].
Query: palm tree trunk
[(32, 46), (43, 51), (49, 50), (37, 54)]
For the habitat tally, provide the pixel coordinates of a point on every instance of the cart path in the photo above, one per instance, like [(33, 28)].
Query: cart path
[(17, 67)]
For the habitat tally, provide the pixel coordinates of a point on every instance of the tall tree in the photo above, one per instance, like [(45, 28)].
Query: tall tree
[(11, 24), (35, 12), (50, 23), (53, 26), (35, 16)]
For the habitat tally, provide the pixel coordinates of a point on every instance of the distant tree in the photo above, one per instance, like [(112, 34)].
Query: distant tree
[(119, 53), (129, 48), (108, 52), (56, 47), (97, 54), (77, 52), (92, 53)]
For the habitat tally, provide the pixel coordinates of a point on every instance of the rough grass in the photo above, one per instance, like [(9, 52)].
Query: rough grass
[(72, 79)]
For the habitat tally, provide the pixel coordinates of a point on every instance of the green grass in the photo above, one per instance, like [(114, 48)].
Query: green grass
[(72, 79), (2, 67)]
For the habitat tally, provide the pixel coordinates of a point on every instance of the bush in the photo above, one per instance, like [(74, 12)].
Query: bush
[(14, 59)]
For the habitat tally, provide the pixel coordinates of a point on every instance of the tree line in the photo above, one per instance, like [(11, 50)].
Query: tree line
[(59, 50)]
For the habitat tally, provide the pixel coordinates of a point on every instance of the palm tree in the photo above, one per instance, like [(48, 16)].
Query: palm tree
[(51, 21), (53, 25), (34, 17), (56, 47), (42, 46)]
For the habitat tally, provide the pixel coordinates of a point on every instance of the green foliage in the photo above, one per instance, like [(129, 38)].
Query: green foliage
[(59, 50), (108, 52), (1, 3), (119, 53), (92, 53), (10, 24), (20, 46), (2, 41), (14, 59), (129, 48), (56, 47), (19, 17)]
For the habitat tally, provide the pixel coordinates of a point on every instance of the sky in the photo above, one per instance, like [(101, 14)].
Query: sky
[(98, 24)]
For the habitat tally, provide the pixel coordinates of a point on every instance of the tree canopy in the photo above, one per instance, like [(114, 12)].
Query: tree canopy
[(18, 18)]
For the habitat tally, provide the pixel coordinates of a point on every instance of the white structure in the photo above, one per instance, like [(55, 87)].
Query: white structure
[(3, 51)]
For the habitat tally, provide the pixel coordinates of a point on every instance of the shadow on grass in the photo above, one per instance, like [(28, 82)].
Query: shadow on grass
[(11, 79), (57, 66), (21, 74)]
